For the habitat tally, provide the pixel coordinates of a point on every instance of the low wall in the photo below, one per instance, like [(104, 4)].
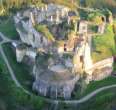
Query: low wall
[(101, 64), (57, 89)]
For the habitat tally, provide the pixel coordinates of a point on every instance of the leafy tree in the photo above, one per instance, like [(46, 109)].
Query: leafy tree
[(96, 17), (110, 4)]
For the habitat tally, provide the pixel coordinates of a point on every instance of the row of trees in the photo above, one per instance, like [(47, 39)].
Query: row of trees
[(110, 4), (19, 3), (6, 5), (12, 5)]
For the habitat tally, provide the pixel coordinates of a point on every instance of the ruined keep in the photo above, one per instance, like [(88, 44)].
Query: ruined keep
[(59, 42)]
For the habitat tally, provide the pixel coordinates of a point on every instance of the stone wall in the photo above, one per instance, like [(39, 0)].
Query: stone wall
[(101, 69), (100, 74), (83, 27), (22, 51), (30, 36), (55, 90)]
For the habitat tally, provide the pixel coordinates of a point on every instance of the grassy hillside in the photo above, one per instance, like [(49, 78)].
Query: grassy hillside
[(105, 100), (7, 27), (12, 97), (103, 45), (95, 85), (20, 69)]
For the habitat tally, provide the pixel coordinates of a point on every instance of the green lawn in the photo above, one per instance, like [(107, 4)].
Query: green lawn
[(21, 70), (105, 100), (103, 45), (95, 85), (13, 98), (8, 29)]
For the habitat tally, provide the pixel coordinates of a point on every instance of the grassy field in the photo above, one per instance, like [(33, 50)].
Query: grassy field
[(8, 29), (103, 45), (105, 100), (13, 98), (21, 70), (95, 85)]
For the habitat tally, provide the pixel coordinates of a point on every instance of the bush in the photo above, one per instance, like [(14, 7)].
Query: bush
[(45, 31), (95, 17)]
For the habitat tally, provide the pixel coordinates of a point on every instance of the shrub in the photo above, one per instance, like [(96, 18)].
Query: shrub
[(45, 31)]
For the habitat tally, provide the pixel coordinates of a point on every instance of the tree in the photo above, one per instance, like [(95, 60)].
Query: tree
[(110, 4)]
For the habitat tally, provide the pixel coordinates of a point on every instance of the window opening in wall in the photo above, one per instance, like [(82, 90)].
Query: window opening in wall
[(41, 39), (81, 58), (65, 49), (33, 38)]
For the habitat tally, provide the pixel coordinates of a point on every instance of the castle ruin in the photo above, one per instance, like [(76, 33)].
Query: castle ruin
[(61, 55)]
